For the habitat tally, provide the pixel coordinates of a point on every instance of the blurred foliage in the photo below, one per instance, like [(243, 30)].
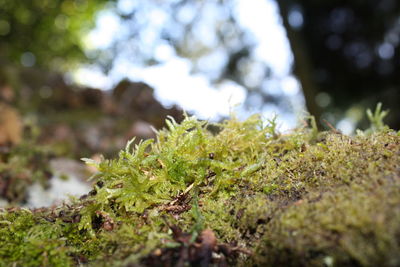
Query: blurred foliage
[(45, 33), (352, 50), (206, 33), (23, 165), (345, 53)]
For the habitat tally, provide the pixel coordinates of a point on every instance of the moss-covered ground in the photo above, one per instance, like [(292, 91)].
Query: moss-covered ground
[(244, 196)]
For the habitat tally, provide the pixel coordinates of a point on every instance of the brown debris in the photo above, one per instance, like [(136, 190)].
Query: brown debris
[(207, 246), (204, 251), (333, 129), (177, 209), (180, 204), (107, 223), (10, 125)]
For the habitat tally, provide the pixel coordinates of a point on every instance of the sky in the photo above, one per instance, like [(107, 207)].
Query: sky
[(175, 84)]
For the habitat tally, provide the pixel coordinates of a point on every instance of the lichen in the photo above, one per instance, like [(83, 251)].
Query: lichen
[(243, 195)]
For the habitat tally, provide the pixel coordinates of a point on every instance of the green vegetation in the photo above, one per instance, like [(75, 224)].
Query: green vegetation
[(247, 193), (46, 33), (22, 165)]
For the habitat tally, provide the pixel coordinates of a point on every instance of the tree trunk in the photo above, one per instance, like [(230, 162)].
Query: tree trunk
[(303, 68)]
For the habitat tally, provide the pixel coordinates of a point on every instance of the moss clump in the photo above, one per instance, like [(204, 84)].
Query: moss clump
[(28, 240), (246, 195)]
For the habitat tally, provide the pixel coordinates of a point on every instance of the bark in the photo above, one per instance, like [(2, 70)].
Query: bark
[(303, 67)]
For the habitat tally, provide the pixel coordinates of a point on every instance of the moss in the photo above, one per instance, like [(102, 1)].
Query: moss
[(247, 194), (28, 240)]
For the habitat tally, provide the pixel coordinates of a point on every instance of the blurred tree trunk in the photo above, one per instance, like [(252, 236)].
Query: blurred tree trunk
[(303, 68)]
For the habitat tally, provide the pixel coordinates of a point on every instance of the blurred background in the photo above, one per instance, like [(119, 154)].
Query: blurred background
[(78, 78)]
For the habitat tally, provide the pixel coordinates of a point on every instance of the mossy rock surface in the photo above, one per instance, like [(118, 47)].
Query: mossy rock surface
[(246, 195)]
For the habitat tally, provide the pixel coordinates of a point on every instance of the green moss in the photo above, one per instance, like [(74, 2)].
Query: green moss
[(305, 198), (28, 240)]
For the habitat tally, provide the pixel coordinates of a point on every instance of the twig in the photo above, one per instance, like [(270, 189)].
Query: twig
[(333, 129)]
